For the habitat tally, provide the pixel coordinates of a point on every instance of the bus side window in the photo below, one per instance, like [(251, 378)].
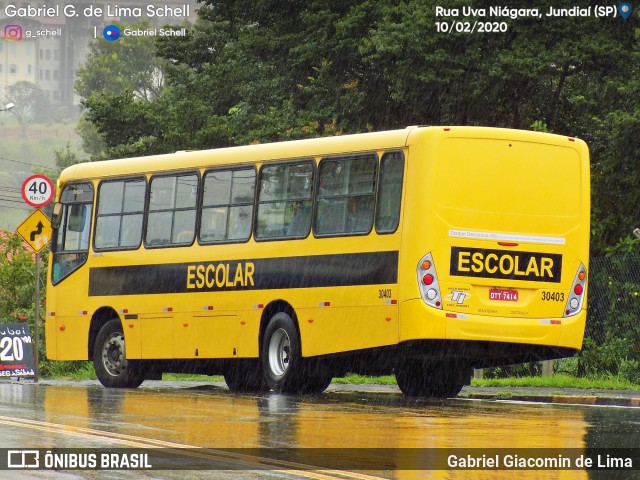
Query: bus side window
[(172, 210), (330, 217), (301, 220), (390, 192), (284, 201), (120, 213), (227, 205), (346, 195)]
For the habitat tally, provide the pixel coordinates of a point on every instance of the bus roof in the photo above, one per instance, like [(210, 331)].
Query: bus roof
[(182, 160), (384, 140)]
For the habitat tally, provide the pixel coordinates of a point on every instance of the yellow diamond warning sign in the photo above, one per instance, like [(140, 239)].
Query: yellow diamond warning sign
[(36, 230)]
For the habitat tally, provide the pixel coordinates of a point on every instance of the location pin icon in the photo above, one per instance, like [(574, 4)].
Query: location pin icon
[(624, 9)]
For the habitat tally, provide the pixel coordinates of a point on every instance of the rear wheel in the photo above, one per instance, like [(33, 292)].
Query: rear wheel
[(110, 360), (285, 371), (417, 378), (245, 376)]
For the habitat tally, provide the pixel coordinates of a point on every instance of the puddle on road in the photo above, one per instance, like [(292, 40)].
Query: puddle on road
[(355, 428)]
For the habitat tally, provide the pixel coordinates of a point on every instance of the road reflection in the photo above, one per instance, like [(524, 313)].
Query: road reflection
[(211, 417), (361, 426)]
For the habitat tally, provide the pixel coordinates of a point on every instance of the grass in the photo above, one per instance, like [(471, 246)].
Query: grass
[(68, 370), (184, 377), (84, 371), (355, 379), (555, 381), (558, 381)]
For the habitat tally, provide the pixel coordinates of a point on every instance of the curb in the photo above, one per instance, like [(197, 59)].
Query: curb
[(557, 399), (617, 398)]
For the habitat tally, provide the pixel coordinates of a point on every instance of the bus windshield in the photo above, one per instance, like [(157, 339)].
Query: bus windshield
[(71, 240)]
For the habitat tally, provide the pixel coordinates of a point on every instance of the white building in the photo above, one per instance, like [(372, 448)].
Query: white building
[(50, 62)]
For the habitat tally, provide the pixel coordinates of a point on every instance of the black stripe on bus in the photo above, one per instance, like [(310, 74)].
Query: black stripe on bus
[(374, 268)]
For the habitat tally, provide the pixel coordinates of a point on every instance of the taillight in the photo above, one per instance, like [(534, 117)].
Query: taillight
[(576, 294), (428, 282)]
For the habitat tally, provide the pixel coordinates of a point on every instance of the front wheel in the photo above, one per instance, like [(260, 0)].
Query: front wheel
[(110, 360), (418, 378), (284, 368)]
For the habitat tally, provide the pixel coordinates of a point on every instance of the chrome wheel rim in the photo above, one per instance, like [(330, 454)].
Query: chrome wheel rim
[(279, 352), (113, 356)]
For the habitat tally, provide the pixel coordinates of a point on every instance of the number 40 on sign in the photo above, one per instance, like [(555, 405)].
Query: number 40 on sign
[(37, 191)]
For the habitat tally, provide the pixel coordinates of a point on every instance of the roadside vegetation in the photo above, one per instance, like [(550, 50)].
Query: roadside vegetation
[(84, 371), (558, 381)]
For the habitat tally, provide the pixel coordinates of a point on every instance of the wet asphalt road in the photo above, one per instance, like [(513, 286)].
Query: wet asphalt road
[(373, 426)]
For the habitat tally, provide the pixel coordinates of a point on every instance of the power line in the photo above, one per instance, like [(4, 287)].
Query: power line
[(26, 163), (11, 199), (25, 208)]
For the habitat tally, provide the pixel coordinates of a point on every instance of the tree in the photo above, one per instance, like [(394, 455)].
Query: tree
[(31, 104), (128, 70), (17, 288), (127, 64), (268, 71)]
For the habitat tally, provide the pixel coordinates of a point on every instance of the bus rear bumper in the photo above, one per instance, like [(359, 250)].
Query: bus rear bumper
[(418, 321)]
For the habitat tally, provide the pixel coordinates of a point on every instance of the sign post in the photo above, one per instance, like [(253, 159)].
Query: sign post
[(37, 191)]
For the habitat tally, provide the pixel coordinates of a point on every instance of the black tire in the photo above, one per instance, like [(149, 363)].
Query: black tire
[(315, 384), (285, 371), (246, 376), (417, 378), (110, 361)]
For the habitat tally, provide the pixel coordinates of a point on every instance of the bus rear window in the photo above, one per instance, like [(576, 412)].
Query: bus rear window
[(500, 177)]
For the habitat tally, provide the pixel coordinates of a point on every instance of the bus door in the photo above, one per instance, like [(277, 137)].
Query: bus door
[(70, 251)]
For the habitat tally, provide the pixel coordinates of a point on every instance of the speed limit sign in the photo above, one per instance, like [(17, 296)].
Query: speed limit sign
[(37, 191)]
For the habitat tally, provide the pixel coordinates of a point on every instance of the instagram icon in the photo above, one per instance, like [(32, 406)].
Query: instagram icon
[(13, 33)]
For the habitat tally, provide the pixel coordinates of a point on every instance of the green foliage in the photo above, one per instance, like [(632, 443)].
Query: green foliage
[(356, 379), (65, 156), (515, 371), (558, 381), (17, 286), (267, 71), (612, 337), (92, 142), (32, 104), (121, 77), (539, 126), (630, 371), (115, 67), (76, 370)]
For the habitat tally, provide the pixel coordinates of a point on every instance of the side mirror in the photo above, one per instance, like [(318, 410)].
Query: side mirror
[(57, 215)]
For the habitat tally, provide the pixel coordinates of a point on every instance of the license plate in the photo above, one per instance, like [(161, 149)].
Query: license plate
[(504, 295)]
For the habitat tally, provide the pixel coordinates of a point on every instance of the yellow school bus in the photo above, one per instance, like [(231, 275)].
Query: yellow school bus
[(424, 252)]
